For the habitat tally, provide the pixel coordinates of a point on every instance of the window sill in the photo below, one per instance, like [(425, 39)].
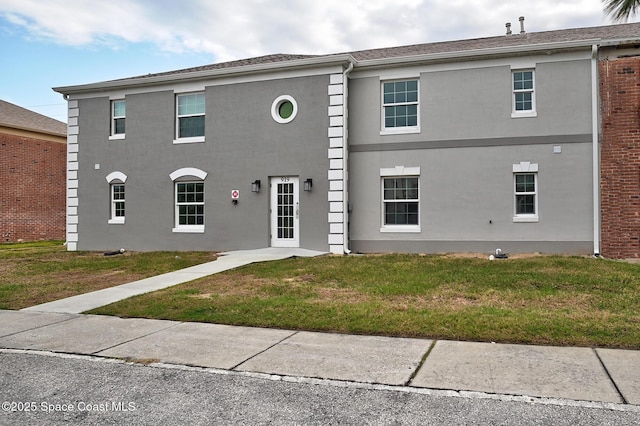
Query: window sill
[(116, 221), (116, 137), (196, 139), (524, 114), (525, 219), (400, 131), (193, 229), (401, 229)]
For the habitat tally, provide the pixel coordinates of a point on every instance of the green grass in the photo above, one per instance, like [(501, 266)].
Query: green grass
[(537, 300), (34, 273)]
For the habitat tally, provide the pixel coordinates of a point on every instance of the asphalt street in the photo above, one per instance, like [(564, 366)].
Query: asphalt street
[(47, 388)]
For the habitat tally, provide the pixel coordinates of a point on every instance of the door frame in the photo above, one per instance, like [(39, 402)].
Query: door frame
[(276, 182)]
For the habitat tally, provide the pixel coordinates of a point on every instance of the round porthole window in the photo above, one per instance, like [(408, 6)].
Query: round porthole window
[(284, 109)]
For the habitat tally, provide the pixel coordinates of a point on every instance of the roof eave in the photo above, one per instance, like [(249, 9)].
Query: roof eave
[(296, 64), (478, 53)]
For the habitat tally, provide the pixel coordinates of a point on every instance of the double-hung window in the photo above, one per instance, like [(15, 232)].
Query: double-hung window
[(400, 199), (190, 205), (190, 114), (118, 118), (117, 203), (524, 99), (525, 181), (400, 103), (116, 182)]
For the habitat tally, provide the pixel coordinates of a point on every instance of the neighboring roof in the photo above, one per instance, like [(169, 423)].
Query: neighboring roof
[(21, 118), (504, 44)]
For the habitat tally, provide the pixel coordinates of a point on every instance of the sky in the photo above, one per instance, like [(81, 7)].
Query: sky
[(54, 43)]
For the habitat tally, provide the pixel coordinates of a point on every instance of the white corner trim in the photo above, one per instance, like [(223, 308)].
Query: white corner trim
[(188, 171), (525, 166), (400, 171), (116, 175)]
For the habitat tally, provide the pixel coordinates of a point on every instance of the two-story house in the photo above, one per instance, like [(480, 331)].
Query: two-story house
[(467, 145)]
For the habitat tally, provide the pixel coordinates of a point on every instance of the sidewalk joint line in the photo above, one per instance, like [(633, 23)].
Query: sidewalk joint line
[(174, 324), (421, 363), (40, 326), (263, 351), (613, 382)]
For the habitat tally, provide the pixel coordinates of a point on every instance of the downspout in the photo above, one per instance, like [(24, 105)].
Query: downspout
[(595, 126), (345, 147)]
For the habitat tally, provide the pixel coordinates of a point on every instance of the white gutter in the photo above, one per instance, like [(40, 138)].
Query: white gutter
[(170, 77), (345, 150), (523, 49), (595, 126)]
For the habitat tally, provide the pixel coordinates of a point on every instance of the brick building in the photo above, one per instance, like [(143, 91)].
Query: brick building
[(620, 152), (32, 175)]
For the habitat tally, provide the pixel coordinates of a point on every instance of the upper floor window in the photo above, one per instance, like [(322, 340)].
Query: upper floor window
[(118, 117), (524, 99), (400, 106), (190, 118)]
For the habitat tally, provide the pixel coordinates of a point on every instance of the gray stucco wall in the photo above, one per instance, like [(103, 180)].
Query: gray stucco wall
[(242, 143), (466, 150), (476, 104)]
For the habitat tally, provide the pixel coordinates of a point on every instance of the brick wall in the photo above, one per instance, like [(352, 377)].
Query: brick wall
[(32, 189), (620, 156)]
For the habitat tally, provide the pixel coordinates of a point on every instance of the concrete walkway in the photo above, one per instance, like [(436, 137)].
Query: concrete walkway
[(228, 260), (593, 377), (608, 377)]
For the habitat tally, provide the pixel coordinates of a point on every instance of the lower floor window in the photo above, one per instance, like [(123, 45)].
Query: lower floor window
[(189, 203), (117, 201), (401, 201), (525, 195)]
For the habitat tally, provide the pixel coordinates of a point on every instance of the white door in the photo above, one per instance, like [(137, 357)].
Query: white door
[(285, 212)]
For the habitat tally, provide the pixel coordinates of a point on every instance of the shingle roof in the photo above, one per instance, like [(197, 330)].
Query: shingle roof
[(21, 118), (609, 32)]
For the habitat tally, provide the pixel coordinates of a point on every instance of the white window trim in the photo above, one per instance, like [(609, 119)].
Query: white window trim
[(533, 111), (399, 171), (112, 134), (532, 168), (398, 130), (180, 173), (195, 139), (111, 180)]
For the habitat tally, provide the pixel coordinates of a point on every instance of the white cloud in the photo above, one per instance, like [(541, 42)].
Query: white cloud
[(245, 28)]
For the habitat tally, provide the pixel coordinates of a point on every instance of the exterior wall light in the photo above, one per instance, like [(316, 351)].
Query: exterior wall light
[(308, 184), (255, 185)]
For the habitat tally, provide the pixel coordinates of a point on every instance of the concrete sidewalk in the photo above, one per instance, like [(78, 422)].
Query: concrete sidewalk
[(226, 261), (596, 375)]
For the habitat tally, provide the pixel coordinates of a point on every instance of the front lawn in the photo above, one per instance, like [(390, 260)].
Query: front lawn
[(546, 300), (34, 273)]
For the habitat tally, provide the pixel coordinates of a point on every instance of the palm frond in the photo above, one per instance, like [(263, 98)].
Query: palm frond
[(621, 10)]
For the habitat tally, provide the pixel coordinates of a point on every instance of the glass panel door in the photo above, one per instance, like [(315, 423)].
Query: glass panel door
[(285, 212)]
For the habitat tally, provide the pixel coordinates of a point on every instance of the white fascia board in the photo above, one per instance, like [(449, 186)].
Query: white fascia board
[(477, 53), (246, 70)]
